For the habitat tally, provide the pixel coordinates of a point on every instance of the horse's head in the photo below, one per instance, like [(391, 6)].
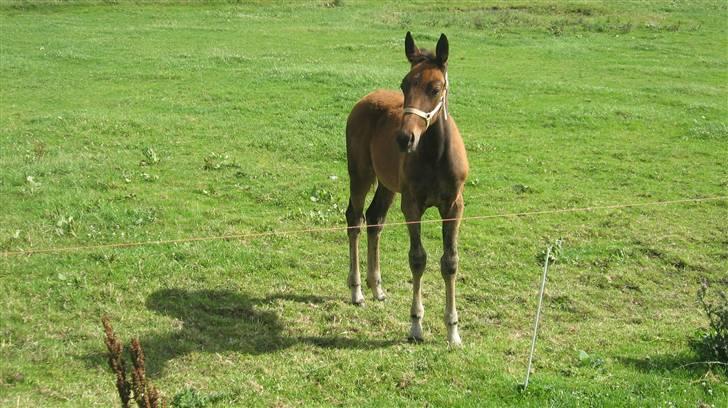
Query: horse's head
[(425, 90)]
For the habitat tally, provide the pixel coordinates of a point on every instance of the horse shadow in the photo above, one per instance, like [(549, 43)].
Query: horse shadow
[(686, 364), (217, 321)]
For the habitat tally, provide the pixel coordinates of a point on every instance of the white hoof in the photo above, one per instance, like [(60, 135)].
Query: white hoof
[(357, 298), (453, 338), (416, 332), (379, 293)]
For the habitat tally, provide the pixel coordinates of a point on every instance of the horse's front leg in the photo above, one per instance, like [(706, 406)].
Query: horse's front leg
[(417, 259), (451, 214)]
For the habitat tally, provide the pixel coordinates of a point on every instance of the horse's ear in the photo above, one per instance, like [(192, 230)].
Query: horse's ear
[(410, 49), (442, 50)]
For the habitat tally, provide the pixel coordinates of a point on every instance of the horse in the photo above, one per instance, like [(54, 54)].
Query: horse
[(406, 142)]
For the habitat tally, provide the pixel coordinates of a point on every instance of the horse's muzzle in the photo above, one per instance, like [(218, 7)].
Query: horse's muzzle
[(406, 141)]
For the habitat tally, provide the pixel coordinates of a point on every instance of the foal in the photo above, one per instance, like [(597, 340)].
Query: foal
[(407, 143)]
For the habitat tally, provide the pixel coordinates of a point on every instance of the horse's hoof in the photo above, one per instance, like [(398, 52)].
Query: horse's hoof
[(378, 293), (357, 298), (415, 335), (454, 341)]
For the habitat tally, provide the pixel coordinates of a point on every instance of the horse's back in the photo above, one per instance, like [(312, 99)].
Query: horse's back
[(370, 136), (375, 112)]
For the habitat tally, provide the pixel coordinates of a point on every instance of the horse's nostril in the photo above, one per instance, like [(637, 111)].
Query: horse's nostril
[(405, 140)]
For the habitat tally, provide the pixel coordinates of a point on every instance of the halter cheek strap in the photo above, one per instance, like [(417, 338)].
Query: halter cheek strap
[(427, 116)]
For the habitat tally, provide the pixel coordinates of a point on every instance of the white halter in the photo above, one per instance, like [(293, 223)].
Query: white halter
[(427, 116)]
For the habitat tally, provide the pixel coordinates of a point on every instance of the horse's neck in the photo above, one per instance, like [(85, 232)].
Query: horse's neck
[(436, 142)]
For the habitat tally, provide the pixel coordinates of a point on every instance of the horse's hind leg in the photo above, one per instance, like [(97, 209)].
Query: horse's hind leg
[(376, 214), (359, 186)]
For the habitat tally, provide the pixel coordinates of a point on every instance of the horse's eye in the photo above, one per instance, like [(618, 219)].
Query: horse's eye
[(435, 91)]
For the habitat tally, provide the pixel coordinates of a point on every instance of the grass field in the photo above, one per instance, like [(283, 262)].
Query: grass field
[(124, 122)]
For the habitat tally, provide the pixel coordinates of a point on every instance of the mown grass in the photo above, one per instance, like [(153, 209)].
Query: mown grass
[(134, 121)]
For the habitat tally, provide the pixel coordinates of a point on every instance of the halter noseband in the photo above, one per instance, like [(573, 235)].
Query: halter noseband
[(427, 116)]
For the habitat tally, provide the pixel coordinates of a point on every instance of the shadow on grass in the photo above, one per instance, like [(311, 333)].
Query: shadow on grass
[(682, 365), (215, 321)]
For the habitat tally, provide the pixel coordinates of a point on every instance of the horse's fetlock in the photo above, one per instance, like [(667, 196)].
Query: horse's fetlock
[(352, 282), (451, 319), (373, 283)]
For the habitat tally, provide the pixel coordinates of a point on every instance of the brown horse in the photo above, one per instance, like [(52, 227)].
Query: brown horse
[(407, 143)]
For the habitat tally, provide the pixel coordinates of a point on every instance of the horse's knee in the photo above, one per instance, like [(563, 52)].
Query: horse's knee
[(374, 223), (418, 259), (449, 264), (376, 214), (353, 220)]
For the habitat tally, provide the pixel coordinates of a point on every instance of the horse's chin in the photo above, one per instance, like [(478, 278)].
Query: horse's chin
[(409, 149), (412, 147)]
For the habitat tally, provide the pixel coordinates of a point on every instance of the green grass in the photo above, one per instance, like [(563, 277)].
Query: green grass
[(131, 122)]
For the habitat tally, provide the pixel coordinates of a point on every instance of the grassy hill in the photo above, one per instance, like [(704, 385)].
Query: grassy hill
[(142, 121)]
